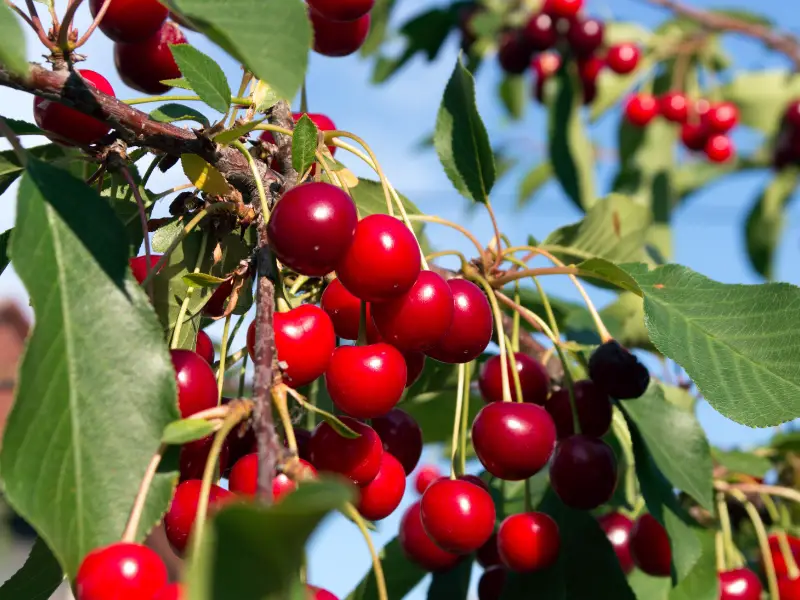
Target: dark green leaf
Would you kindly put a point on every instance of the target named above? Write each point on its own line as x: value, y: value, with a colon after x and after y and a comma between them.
x: 121, y: 199
x: 39, y: 577
x: 178, y: 83
x: 23, y: 127
x: 603, y: 270
x: 11, y: 169
x: 786, y: 441
x: 204, y: 75
x: 166, y: 234
x: 184, y: 431
x: 515, y: 95
x: 702, y: 582
x: 304, y: 144
x: 452, y: 584
x: 202, y: 280
x: 5, y: 239
x: 169, y: 113
x: 12, y: 50
x: 401, y: 575
x: 533, y: 182
x: 745, y: 463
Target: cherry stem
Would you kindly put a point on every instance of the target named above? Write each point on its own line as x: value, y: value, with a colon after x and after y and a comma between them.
x: 279, y: 400
x: 515, y: 320
x: 234, y: 110
x: 126, y: 173
x: 719, y: 543
x: 332, y: 175
x: 66, y: 25
x: 573, y: 405
x: 531, y: 317
x: 350, y: 511
x: 772, y: 490
x: 302, y: 401
x: 729, y: 559
x: 528, y: 501
x: 243, y: 372
x: 231, y: 359
x: 763, y: 542
x: 501, y: 337
x: 440, y: 221
x: 362, y: 324
x: 262, y: 195
x: 184, y: 98
x: 222, y: 356
x: 620, y: 428
x: 36, y: 23
x: 512, y: 363
x: 298, y: 283
x: 465, y: 416
x: 172, y: 190
x: 788, y: 557
x: 434, y: 255
x: 455, y: 469
x: 99, y: 17
x: 176, y: 334
x: 132, y: 527
x: 548, y: 309
x: 331, y: 135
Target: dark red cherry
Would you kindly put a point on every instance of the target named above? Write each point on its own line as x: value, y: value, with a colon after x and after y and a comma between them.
x: 674, y: 107
x: 244, y: 478
x: 781, y: 568
x: 426, y: 475
x: 584, y: 472
x: 650, y: 549
x: 492, y: 583
x: 419, y: 318
x: 488, y: 555
x: 514, y: 52
x: 130, y: 20
x: 513, y: 440
x: 67, y: 122
x: 123, y: 571
x: 533, y: 379
x: 381, y: 496
x: 180, y: 517
x: 641, y: 109
x: 303, y: 439
x: 471, y: 329
x: 617, y: 528
x: 317, y: 593
x: 194, y: 455
x: 616, y: 371
x: 338, y: 38
x: 342, y: 10
x: 589, y: 69
x: 241, y: 441
x: 594, y: 410
x: 173, y: 591
x: 197, y: 385
x: 417, y: 545
x: 415, y: 364
x: 540, y: 32
x: 566, y: 9
x: 474, y: 480
x: 144, y: 65
x: 215, y: 307
x: 205, y: 347
x: 694, y: 135
x: 140, y: 268
x: 401, y: 437
x: 722, y: 117
x: 788, y: 589
x: 719, y: 148
x: 458, y: 516
x: 344, y: 309
x: 383, y: 261
x: 740, y: 584
x: 528, y: 542
x: 357, y: 458
x: 623, y: 58
x: 792, y: 114
x: 312, y: 227
x: 585, y: 36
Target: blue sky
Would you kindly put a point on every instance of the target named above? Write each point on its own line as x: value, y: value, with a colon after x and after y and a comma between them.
x: 394, y: 117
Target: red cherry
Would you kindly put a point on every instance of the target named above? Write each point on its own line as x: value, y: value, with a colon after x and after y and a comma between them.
x: 594, y: 410
x: 425, y: 477
x: 205, y: 347
x: 585, y: 36
x: 474, y: 480
x: 130, y: 20
x: 381, y: 496
x: 513, y: 440
x: 540, y: 32
x: 417, y: 545
x: 589, y: 69
x: 488, y: 555
x: 415, y: 364
x: 319, y: 594
x: 140, y: 268
x: 649, y: 546
x: 641, y: 109
x: 215, y: 307
x: 366, y: 381
x: 584, y: 472
x: 514, y: 52
x: 739, y: 584
x: 788, y: 589
x: 197, y: 385
x: 179, y: 520
x: 722, y: 117
x: 792, y: 114
x: 335, y: 38
x: 533, y: 379
x: 694, y: 135
x: 566, y: 9
x: 305, y: 341
x: 194, y: 455
x: 323, y: 123
x: 781, y: 568
x: 674, y: 107
x: 528, y: 542
x: 401, y: 437
x: 244, y: 478
x: 623, y: 58
x: 617, y: 528
x: 544, y: 66
x: 344, y: 309
x: 458, y: 516
x: 471, y: 329
x: 173, y: 591
x: 144, y: 65
x: 311, y: 228
x: 357, y: 458
x: 122, y: 571
x: 419, y: 318
x: 342, y: 10
x: 719, y: 148
x: 492, y: 583
x: 67, y: 122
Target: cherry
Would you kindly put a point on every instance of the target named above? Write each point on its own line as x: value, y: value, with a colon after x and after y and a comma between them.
x: 419, y: 318
x: 305, y: 341
x: 594, y: 410
x: 383, y: 261
x: 335, y: 38
x: 357, y: 458
x: 513, y: 440
x: 401, y: 437
x: 197, y: 385
x: 722, y: 117
x: 540, y: 32
x: 492, y: 582
x: 623, y: 58
x: 173, y: 591
x: 144, y: 65
x: 488, y: 555
x: 67, y: 122
x: 792, y: 114
x: 342, y: 10
x: 474, y: 480
x: 344, y: 309
x: 589, y: 69
x: 584, y: 472
x: 194, y: 455
x: 566, y: 9
x: 244, y: 478
x: 533, y: 379
x: 130, y: 20
x: 425, y: 477
x: 694, y: 135
x: 674, y: 107
x: 458, y: 515
x: 418, y: 546
x: 215, y: 306
x: 719, y: 148
x: 617, y: 372
x: 649, y: 546
x: 640, y: 109
x: 179, y: 520
x: 781, y: 568
x: 788, y: 589
x: 471, y: 329
x: 123, y: 571
x: 528, y: 542
x: 415, y: 364
x: 205, y: 347
x: 311, y: 228
x: 585, y: 36
x: 381, y: 496
x: 140, y: 268
x: 319, y: 593
x: 617, y: 528
x: 366, y: 381
x: 323, y: 123
x: 739, y: 584
x: 514, y: 52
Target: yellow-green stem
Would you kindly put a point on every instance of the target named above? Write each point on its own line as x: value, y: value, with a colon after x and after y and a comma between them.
x: 384, y: 183
x: 262, y: 196
x: 788, y: 556
x: 512, y: 362
x: 727, y: 535
x: 501, y: 338
x: 528, y: 502
x: 763, y: 542
x: 189, y: 292
x: 231, y: 359
x: 350, y: 511
x: 457, y: 227
x: 222, y: 356
x: 515, y: 320
x: 620, y: 428
x: 280, y: 402
x: 454, y: 468
x: 243, y: 373
x: 465, y: 416
x: 129, y: 535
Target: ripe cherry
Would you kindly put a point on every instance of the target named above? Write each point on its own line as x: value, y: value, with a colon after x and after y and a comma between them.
x: 425, y: 477
x: 492, y: 583
x: 617, y: 528
x: 144, y: 65
x: 513, y: 440
x: 641, y: 109
x: 130, y: 20
x: 173, y: 591
x: 533, y: 379
x: 488, y: 555
x: 722, y: 117
x: 623, y: 58
x: 344, y: 309
x: 305, y: 341
x: 381, y: 496
x: 474, y: 480
x: 788, y: 589
x: 649, y: 545
x: 528, y: 542
x: 323, y: 123
x: 312, y: 227
x: 140, y: 268
x: 317, y: 593
x: 401, y: 437
x: 471, y: 329
x: 415, y: 364
x: 792, y: 114
x: 205, y: 347
x: 584, y: 472
x: 617, y: 372
x: 179, y: 520
x: 419, y: 318
x: 122, y: 570
x: 566, y: 9
x: 194, y: 455
x: 719, y: 148
x: 694, y: 135
x: 540, y: 32
x: 418, y: 546
x: 739, y: 584
x: 67, y: 122
x: 514, y: 52
x: 244, y: 477
x: 338, y: 38
x: 357, y: 458
x: 781, y: 568
x: 589, y: 70
x: 342, y: 10
x: 197, y: 386
x: 215, y: 307
x: 594, y: 410
x: 674, y: 107
x: 458, y: 515
x: 585, y: 36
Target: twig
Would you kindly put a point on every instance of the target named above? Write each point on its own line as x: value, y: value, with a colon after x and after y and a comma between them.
x: 21, y: 13
x: 99, y: 17
x: 36, y: 22
x: 66, y: 24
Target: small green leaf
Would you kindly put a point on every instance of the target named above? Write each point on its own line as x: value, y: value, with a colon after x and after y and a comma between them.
x: 234, y: 133
x: 514, y: 94
x: 304, y: 144
x: 166, y: 234
x: 702, y: 582
x: 11, y: 169
x: 745, y: 463
x: 203, y: 175
x: 647, y: 587
x: 184, y: 431
x: 169, y: 113
x: 202, y: 280
x: 264, y: 97
x: 181, y: 83
x: 39, y: 577
x: 533, y: 182
x: 204, y: 75
x: 12, y: 50
x: 607, y: 271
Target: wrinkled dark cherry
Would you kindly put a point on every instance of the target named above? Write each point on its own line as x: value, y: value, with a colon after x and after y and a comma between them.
x: 342, y: 10
x: 357, y: 458
x: 513, y: 440
x: 674, y: 107
x: 584, y: 472
x: 180, y: 517
x: 205, y: 347
x: 215, y: 307
x: 130, y: 20
x: 173, y: 591
x: 415, y: 363
x: 244, y: 478
x: 514, y: 52
x: 740, y: 584
x: 617, y: 372
x: 471, y: 329
x: 781, y: 568
x: 144, y: 65
x: 649, y: 545
x: 488, y: 554
x: 122, y: 570
x: 540, y: 32
x: 719, y: 148
x: 197, y: 385
x: 788, y: 589
x: 623, y: 58
x: 140, y: 268
x: 694, y: 135
x: 338, y: 38
x: 401, y: 437
x: 344, y: 309
x: 381, y: 496
x: 492, y: 583
x: 722, y: 117
x: 458, y: 516
x: 617, y: 528
x: 585, y: 36
x: 641, y: 109
x: 417, y: 545
x: 594, y: 410
x: 567, y: 9
x: 194, y: 455
x: 533, y: 379
x: 425, y: 477
x: 528, y: 542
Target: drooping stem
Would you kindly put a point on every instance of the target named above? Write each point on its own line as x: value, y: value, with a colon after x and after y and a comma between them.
x: 99, y: 17
x: 620, y: 428
x: 279, y: 400
x: 351, y: 512
x: 530, y: 316
x: 573, y: 405
x: 457, y: 227
x: 232, y: 359
x: 362, y: 324
x: 727, y: 535
x: 719, y: 542
x: 528, y: 500
x: 129, y: 535
x: 497, y: 236
x: 465, y: 417
x: 126, y: 173
x: 515, y: 320
x: 512, y: 361
x: 501, y: 338
x: 222, y: 356
x: 759, y: 488
x: 788, y: 556
x: 455, y: 470
x: 262, y: 196
x: 176, y: 335
x: 384, y: 182
x: 38, y: 27
x: 763, y: 542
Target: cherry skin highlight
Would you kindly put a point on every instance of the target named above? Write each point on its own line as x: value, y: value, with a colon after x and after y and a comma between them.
x: 173, y: 591
x: 617, y: 528
x: 144, y: 65
x: 492, y: 582
x: 415, y: 364
x: 649, y: 546
x: 594, y: 410
x: 425, y: 477
x: 417, y: 545
x: 179, y: 520
x: 243, y: 479
x: 528, y: 542
x: 584, y: 472
x: 358, y: 458
x: 623, y: 58
x: 121, y: 570
x: 342, y: 10
x: 458, y: 516
x: 381, y: 496
x: 205, y: 347
x: 344, y: 309
x: 471, y: 329
x: 641, y: 109
x: 130, y: 20
x: 722, y: 117
x: 337, y: 38
x: 401, y: 437
x: 674, y: 107
x: 739, y: 584
x: 197, y: 385
x: 139, y: 266
x: 533, y: 379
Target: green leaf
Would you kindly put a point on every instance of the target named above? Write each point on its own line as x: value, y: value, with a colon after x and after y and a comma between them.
x: 23, y: 127
x: 181, y: 83
x: 169, y: 113
x: 237, y: 131
x: 184, y: 431
x: 612, y: 88
x: 379, y: 24
x: 11, y: 169
x: 12, y: 50
x: 514, y: 94
x: 702, y: 582
x: 5, y: 239
x: 401, y: 575
x: 533, y: 182
x: 166, y: 234
x: 84, y: 419
x: 204, y: 75
x: 761, y: 97
x: 461, y: 140
x: 39, y: 577
x: 124, y: 205
x: 304, y: 144
x: 272, y: 38
x: 647, y: 587
x: 745, y: 463
x: 609, y: 272
x: 202, y: 280
x: 452, y: 584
